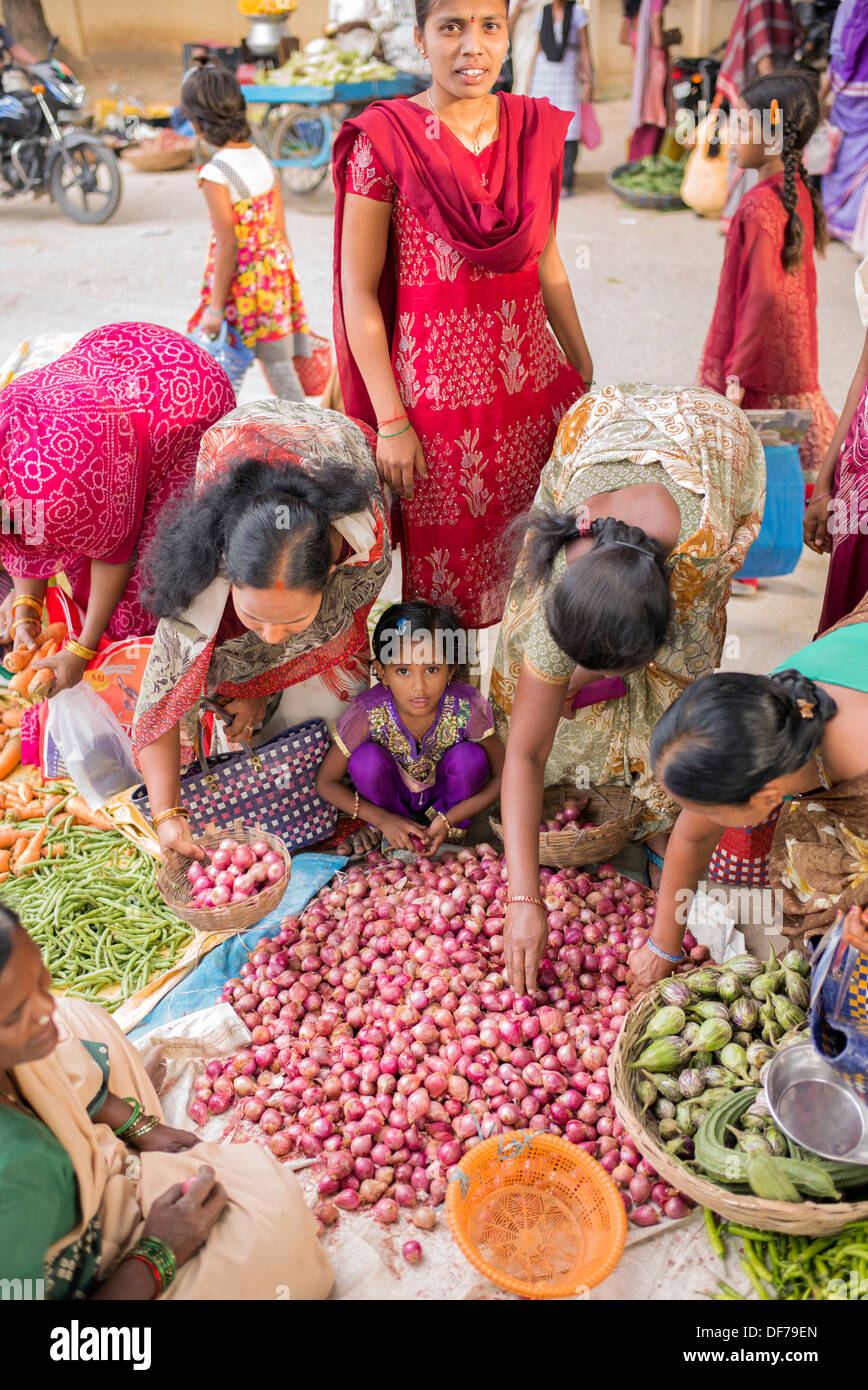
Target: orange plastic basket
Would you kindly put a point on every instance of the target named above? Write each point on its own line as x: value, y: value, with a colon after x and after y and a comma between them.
x: 536, y: 1215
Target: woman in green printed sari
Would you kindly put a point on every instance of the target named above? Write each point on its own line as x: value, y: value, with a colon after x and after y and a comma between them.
x: 644, y: 513
x: 737, y: 747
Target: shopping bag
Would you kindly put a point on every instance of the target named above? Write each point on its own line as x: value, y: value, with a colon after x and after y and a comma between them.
x: 94, y: 747
x: 821, y: 151
x: 705, y: 177
x: 314, y: 370
x: 591, y: 135
x: 839, y: 1007
x: 227, y: 349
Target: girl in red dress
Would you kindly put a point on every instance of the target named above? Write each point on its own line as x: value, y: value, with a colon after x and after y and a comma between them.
x: 761, y: 348
x: 447, y: 278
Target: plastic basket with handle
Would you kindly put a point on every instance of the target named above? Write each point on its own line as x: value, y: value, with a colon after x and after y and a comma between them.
x: 227, y: 349
x: 314, y: 370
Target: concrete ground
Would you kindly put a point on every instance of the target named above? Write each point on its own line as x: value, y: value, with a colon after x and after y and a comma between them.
x: 645, y: 293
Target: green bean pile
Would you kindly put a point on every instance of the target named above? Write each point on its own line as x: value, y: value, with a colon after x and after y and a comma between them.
x: 97, y: 917
x: 795, y: 1268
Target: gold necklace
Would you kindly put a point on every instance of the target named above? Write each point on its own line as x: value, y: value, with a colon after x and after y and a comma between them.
x: 475, y: 145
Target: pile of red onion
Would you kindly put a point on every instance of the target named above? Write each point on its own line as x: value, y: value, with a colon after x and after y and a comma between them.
x: 235, y: 873
x: 569, y: 814
x: 385, y: 1037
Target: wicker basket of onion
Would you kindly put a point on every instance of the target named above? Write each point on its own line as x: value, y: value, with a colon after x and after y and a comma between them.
x: 687, y: 1077
x: 580, y: 828
x: 242, y: 878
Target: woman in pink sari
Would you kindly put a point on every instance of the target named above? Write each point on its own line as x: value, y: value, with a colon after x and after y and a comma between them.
x: 447, y: 279
x: 92, y: 448
x: 651, y: 99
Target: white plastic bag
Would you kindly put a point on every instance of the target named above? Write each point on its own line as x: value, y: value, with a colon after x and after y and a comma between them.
x: 93, y: 744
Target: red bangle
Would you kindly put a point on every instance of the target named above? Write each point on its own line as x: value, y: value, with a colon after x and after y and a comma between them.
x: 153, y: 1268
x: 402, y: 415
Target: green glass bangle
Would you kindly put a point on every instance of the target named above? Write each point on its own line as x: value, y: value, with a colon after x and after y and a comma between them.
x: 130, y: 1121
x: 160, y: 1254
x: 143, y: 1125
x: 393, y: 434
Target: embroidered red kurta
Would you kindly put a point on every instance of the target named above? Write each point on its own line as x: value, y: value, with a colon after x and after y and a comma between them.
x: 485, y: 385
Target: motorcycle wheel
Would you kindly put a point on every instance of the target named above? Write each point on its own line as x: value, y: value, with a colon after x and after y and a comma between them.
x: 90, y: 191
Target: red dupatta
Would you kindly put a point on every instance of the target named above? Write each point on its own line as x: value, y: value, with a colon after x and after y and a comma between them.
x: 502, y: 227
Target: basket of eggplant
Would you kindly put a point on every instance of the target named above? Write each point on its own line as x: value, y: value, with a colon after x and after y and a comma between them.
x: 687, y: 1076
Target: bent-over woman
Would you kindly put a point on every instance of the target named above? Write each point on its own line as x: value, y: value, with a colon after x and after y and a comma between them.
x: 645, y: 511
x: 263, y: 586
x: 93, y: 448
x: 736, y: 749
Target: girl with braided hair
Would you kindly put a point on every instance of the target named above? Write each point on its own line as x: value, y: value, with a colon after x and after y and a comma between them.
x: 737, y: 749
x: 761, y: 348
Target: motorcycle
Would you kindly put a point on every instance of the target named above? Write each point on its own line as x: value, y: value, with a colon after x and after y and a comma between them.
x: 39, y: 154
x: 816, y: 20
x: 694, y: 81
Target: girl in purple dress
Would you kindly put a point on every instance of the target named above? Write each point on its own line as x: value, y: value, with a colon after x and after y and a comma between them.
x: 418, y: 744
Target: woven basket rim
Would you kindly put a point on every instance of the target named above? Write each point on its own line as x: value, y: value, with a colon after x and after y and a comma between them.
x: 578, y: 846
x: 795, y: 1218
x: 479, y: 1156
x: 231, y: 917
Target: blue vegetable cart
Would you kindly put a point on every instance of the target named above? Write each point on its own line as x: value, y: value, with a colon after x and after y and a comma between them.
x: 300, y: 123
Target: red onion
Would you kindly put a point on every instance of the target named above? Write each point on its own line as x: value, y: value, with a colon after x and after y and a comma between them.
x: 412, y: 1251
x: 645, y: 1216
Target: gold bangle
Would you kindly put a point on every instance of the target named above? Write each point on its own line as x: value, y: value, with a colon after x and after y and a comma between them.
x: 143, y: 1125
x: 525, y: 898
x: 356, y: 807
x: 444, y: 817
x: 170, y: 815
x: 23, y: 622
x: 77, y: 649
x: 28, y: 600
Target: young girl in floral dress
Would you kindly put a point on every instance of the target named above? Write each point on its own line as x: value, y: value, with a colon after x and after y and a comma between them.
x: 249, y: 278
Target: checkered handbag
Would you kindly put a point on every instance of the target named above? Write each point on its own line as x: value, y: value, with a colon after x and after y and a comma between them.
x: 272, y: 786
x: 839, y: 1007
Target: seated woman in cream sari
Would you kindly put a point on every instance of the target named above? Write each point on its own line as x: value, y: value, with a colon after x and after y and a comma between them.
x: 97, y: 1216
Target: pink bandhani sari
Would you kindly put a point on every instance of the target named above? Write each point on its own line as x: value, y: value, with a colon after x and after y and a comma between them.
x: 94, y: 446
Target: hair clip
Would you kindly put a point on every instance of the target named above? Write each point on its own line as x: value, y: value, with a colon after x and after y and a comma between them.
x: 583, y: 524
x: 806, y: 709
x: 401, y: 626
x: 775, y: 111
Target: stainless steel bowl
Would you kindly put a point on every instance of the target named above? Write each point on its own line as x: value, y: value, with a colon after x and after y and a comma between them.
x: 813, y: 1104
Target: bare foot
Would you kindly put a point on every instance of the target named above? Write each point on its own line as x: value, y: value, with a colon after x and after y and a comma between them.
x: 364, y: 840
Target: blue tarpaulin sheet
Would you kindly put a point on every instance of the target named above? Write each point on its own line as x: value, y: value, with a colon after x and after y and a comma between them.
x: 202, y: 987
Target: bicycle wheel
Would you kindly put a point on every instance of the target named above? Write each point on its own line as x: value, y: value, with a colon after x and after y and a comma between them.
x: 304, y: 134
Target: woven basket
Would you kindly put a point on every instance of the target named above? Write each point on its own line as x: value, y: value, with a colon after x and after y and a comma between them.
x: 792, y: 1218
x: 176, y: 891
x: 661, y: 202
x: 615, y: 811
x: 160, y: 161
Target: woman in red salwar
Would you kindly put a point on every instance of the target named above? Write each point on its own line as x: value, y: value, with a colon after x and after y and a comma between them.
x: 447, y: 276
x: 761, y: 348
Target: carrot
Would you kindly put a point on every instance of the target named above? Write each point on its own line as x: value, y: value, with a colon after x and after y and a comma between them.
x: 25, y: 791
x: 11, y: 835
x: 11, y: 719
x: 10, y: 757
x: 49, y: 804
x: 4, y: 861
x: 18, y: 848
x: 57, y: 632
x: 17, y: 660
x: 14, y: 814
x: 4, y: 875
x: 78, y: 807
x: 57, y: 851
x: 19, y: 683
x: 29, y: 857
